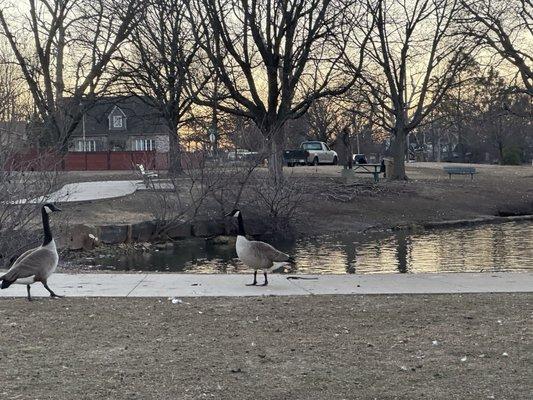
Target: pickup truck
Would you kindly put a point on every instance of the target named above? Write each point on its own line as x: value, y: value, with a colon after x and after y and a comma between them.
x: 311, y: 153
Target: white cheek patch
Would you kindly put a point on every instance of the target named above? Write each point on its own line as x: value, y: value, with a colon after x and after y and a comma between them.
x: 237, y: 214
x: 47, y: 209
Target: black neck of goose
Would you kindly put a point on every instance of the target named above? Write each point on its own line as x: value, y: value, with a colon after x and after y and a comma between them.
x: 241, y: 226
x: 46, y: 227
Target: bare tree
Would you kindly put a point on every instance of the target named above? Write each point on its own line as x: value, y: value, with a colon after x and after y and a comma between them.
x: 414, y: 57
x: 273, y: 59
x: 162, y: 65
x: 324, y: 119
x: 10, y: 90
x: 17, y: 216
x: 507, y: 28
x: 480, y: 120
x: 63, y: 48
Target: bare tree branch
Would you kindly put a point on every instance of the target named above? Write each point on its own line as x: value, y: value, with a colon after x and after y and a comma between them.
x: 264, y: 53
x: 90, y: 31
x: 507, y: 28
x: 415, y: 55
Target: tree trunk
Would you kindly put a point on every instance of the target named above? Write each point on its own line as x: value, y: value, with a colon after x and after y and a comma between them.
x: 348, y: 153
x: 500, y: 151
x: 174, y: 154
x: 275, y: 162
x: 59, y: 83
x: 398, y: 152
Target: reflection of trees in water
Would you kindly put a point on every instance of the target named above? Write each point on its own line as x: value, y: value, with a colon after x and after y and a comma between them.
x: 351, y: 258
x: 500, y: 248
x: 403, y: 252
x: 497, y: 247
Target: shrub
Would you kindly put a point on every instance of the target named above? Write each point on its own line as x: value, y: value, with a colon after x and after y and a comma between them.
x: 512, y: 156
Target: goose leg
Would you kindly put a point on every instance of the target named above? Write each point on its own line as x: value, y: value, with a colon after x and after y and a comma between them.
x: 255, y: 280
x: 52, y: 294
x: 29, y: 295
x: 266, y: 279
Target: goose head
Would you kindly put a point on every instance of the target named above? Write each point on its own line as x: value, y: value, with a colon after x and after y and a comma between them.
x: 49, y: 208
x: 235, y: 213
x: 238, y: 215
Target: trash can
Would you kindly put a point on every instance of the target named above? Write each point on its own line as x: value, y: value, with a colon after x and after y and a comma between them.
x: 389, y: 167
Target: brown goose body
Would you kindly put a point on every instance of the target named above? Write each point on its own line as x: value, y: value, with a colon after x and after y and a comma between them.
x: 256, y: 254
x: 35, y: 265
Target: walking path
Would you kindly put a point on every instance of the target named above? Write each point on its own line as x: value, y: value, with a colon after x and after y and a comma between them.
x: 196, y: 285
x: 89, y: 191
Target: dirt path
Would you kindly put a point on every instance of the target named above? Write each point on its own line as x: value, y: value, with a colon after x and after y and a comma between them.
x: 323, y: 347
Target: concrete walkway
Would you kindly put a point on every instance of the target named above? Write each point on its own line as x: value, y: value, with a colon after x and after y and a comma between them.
x: 89, y: 191
x: 196, y: 285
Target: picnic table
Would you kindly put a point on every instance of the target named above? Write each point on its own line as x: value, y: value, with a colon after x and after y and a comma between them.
x: 374, y: 169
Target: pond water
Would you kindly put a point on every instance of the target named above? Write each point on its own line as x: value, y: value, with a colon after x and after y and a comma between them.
x: 497, y: 247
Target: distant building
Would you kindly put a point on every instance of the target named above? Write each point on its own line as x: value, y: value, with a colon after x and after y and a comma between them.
x: 125, y: 123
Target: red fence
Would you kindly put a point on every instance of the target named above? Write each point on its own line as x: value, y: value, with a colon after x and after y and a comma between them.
x: 114, y: 160
x: 90, y: 161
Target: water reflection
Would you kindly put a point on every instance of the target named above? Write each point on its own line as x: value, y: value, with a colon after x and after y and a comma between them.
x: 402, y: 253
x: 501, y: 247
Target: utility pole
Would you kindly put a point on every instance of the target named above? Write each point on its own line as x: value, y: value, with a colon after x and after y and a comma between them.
x: 354, y: 133
x: 83, y: 127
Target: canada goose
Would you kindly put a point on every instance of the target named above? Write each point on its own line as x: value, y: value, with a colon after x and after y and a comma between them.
x: 37, y: 264
x: 256, y: 254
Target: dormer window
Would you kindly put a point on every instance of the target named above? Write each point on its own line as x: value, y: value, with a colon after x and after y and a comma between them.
x: 117, y: 119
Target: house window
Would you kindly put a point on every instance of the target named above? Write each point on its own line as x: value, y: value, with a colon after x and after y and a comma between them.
x: 144, y: 144
x: 87, y: 145
x: 117, y: 121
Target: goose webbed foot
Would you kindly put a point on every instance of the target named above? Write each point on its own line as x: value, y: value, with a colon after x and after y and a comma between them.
x: 255, y: 280
x: 52, y: 294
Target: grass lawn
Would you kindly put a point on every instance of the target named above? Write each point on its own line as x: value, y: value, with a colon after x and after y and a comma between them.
x: 333, y: 206
x: 310, y: 347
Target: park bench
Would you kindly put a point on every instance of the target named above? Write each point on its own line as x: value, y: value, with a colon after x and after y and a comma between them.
x: 460, y: 171
x: 146, y: 175
x: 374, y: 169
x: 151, y: 181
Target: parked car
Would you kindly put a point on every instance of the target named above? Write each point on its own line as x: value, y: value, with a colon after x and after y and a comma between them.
x: 311, y: 153
x: 295, y: 157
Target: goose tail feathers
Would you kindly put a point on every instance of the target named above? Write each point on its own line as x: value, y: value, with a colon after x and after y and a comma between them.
x: 291, y: 260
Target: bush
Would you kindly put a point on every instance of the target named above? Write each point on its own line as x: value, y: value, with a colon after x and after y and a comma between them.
x: 20, y: 222
x: 277, y: 204
x: 512, y: 156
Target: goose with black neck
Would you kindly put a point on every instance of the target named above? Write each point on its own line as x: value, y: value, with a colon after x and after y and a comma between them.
x: 37, y: 264
x: 256, y: 254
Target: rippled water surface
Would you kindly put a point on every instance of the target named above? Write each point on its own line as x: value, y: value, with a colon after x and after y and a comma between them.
x: 498, y: 247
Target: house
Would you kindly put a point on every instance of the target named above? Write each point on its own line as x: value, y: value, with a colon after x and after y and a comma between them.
x: 125, y: 123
